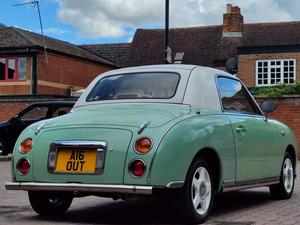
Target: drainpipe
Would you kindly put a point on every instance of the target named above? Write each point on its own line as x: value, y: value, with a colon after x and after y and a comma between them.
x: 166, y: 30
x: 34, y: 74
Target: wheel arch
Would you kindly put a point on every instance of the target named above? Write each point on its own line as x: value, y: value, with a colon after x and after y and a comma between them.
x: 290, y: 149
x: 211, y: 156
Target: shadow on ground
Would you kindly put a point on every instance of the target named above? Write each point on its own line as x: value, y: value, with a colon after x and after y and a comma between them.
x: 155, y: 212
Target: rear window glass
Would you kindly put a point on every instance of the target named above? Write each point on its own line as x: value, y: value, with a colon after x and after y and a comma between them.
x: 135, y: 86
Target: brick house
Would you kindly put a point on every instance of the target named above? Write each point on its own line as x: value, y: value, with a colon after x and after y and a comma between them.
x: 25, y: 68
x: 266, y: 53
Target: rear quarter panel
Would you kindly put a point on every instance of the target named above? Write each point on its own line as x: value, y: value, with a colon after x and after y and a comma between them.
x: 184, y: 140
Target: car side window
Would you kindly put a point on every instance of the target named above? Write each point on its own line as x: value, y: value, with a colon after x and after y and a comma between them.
x: 234, y: 96
x: 61, y: 111
x: 36, y: 113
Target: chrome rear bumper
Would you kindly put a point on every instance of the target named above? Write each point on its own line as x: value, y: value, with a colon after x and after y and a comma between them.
x: 122, y: 189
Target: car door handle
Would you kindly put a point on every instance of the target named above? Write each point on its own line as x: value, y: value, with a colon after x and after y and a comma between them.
x: 240, y: 129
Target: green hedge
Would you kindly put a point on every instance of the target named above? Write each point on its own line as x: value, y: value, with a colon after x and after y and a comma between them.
x: 277, y: 90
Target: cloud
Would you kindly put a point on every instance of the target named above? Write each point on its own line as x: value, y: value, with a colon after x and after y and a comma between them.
x: 113, y: 18
x: 57, y: 31
x: 23, y: 28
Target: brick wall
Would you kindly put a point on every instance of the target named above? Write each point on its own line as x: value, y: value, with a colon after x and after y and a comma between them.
x: 21, y: 88
x: 62, y: 72
x: 247, y: 70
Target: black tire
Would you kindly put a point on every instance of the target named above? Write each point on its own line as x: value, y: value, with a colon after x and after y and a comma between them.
x: 50, y: 203
x: 188, y: 194
x: 3, y: 147
x: 282, y: 190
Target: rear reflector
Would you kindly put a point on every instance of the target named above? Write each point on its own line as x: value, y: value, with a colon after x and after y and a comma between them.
x: 23, y: 166
x: 137, y: 168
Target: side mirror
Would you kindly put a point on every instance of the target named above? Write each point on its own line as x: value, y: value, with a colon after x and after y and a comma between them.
x: 268, y: 106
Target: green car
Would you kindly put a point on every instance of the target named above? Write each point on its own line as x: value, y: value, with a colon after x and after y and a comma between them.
x: 163, y: 130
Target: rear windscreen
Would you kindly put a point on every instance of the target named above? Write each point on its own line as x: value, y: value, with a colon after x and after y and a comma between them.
x: 135, y: 86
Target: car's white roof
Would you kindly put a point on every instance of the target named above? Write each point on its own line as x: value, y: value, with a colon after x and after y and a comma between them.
x: 187, y: 93
x: 173, y: 66
x: 164, y: 67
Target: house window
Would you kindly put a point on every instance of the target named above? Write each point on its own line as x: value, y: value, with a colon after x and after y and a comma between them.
x: 22, y: 68
x: 272, y: 72
x: 12, y: 69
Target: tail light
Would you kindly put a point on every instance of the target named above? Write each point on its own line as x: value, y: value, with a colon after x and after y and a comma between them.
x: 143, y: 145
x: 23, y: 166
x: 26, y: 145
x: 137, y: 168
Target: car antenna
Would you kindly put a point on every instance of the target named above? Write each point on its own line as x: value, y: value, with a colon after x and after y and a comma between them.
x: 36, y: 3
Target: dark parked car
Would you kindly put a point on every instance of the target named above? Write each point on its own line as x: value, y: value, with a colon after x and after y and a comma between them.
x: 11, y: 129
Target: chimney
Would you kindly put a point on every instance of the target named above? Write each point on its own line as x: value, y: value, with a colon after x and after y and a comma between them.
x: 232, y: 21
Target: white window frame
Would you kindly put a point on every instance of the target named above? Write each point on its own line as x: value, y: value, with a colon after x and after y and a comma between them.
x: 269, y: 66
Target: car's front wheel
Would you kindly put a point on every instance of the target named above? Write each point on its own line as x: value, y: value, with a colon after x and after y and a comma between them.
x: 198, y: 192
x: 50, y: 203
x: 285, y: 188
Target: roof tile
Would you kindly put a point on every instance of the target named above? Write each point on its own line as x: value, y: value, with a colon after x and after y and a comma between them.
x: 12, y: 37
x: 206, y: 45
x: 114, y: 52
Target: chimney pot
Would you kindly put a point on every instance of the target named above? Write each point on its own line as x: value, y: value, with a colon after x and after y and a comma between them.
x: 232, y: 21
x: 237, y: 9
x: 229, y: 8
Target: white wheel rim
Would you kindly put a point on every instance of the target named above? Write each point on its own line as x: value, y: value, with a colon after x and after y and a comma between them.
x: 288, y: 175
x: 201, y: 190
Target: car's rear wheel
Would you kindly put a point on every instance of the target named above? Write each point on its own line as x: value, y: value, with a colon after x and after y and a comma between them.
x: 285, y: 188
x: 50, y: 203
x: 198, y: 192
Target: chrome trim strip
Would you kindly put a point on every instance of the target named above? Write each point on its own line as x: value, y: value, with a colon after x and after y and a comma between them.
x: 80, y: 143
x: 124, y: 189
x: 143, y: 127
x: 250, y: 184
x: 175, y: 184
x: 40, y: 127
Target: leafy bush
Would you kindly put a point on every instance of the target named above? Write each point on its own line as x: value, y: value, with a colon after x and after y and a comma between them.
x: 277, y: 90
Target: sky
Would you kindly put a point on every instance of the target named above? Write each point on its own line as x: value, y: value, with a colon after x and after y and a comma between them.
x: 112, y: 21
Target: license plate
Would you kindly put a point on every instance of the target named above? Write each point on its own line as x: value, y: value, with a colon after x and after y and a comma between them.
x: 76, y: 161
